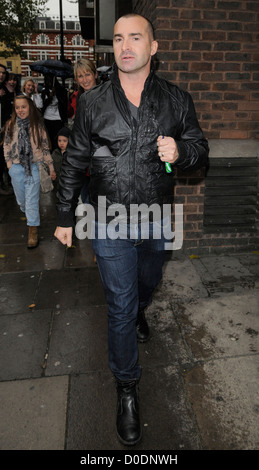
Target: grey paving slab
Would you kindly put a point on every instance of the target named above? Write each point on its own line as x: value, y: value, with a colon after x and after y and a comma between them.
x: 165, y: 346
x: 223, y: 326
x: 70, y: 288
x: 46, y: 233
x: 221, y: 334
x: 80, y: 254
x: 90, y: 414
x: 9, y: 210
x: 181, y: 280
x: 17, y: 292
x: 13, y: 233
x: 225, y: 399
x: 227, y: 272
x: 251, y: 261
x: 48, y: 207
x: 78, y: 341
x: 48, y: 255
x: 165, y: 416
x: 23, y: 344
x: 33, y: 414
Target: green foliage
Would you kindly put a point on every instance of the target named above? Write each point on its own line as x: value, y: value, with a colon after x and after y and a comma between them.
x: 17, y: 19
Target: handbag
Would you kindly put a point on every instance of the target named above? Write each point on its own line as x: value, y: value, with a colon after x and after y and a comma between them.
x: 46, y: 184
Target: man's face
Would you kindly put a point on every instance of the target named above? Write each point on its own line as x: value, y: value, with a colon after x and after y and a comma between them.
x: 133, y: 45
x: 2, y: 74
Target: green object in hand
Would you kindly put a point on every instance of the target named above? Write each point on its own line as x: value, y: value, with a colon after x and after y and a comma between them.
x: 168, y: 167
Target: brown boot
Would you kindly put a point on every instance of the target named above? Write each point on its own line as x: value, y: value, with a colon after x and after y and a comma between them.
x: 33, y: 238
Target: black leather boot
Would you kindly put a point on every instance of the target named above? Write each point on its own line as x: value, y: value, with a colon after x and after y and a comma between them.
x: 142, y: 327
x: 128, y: 423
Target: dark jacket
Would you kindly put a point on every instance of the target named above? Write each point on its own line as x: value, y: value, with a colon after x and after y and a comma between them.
x: 6, y: 102
x: 61, y: 95
x: 121, y: 154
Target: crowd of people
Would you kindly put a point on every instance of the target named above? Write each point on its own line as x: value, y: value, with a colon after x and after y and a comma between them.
x: 35, y: 129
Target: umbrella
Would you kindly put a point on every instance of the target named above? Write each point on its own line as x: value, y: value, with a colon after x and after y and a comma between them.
x: 56, y: 67
x: 104, y: 68
x: 104, y: 71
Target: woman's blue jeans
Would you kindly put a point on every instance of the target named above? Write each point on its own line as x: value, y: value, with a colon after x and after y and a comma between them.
x: 130, y: 270
x: 27, y: 191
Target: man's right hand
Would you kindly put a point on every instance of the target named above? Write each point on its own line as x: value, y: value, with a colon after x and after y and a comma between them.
x: 64, y: 235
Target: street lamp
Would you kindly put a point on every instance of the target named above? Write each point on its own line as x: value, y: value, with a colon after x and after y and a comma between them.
x: 62, y: 57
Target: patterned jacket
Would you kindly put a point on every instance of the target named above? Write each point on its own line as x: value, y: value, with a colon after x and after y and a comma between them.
x: 11, y: 153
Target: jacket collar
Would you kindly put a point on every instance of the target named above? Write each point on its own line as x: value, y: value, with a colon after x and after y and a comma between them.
x: 116, y: 81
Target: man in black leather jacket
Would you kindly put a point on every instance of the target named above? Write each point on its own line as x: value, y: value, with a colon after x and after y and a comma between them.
x: 125, y: 131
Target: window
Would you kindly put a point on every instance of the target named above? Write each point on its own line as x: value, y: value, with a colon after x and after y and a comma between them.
x: 42, y: 39
x: 58, y: 42
x: 77, y: 55
x: 42, y: 25
x: 57, y: 25
x: 28, y: 71
x: 78, y: 40
x: 27, y: 39
x: 42, y: 55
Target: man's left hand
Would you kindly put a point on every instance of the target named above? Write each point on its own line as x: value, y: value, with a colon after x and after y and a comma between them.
x: 167, y: 149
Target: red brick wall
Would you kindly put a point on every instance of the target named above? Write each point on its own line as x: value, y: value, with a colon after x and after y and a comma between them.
x: 211, y: 49
x: 189, y: 191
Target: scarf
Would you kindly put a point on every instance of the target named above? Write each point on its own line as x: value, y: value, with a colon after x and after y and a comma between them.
x: 24, y: 144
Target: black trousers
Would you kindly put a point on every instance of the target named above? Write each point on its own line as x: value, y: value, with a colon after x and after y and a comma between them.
x: 53, y: 127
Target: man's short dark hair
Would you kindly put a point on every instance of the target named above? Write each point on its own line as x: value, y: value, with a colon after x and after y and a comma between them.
x: 150, y: 25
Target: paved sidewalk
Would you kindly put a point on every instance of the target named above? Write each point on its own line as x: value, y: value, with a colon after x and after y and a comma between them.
x: 199, y: 386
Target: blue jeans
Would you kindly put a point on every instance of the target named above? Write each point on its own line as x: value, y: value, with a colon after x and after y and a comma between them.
x: 130, y: 270
x: 27, y: 191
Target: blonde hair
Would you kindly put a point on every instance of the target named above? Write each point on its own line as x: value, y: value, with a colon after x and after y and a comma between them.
x: 85, y: 64
x: 25, y: 83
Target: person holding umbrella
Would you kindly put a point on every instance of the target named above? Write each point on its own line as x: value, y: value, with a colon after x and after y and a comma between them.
x: 54, y: 109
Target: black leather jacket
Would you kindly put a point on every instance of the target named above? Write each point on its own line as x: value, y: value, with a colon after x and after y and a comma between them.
x: 122, y: 154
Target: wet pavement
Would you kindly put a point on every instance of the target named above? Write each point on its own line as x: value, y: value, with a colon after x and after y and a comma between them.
x: 199, y: 386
